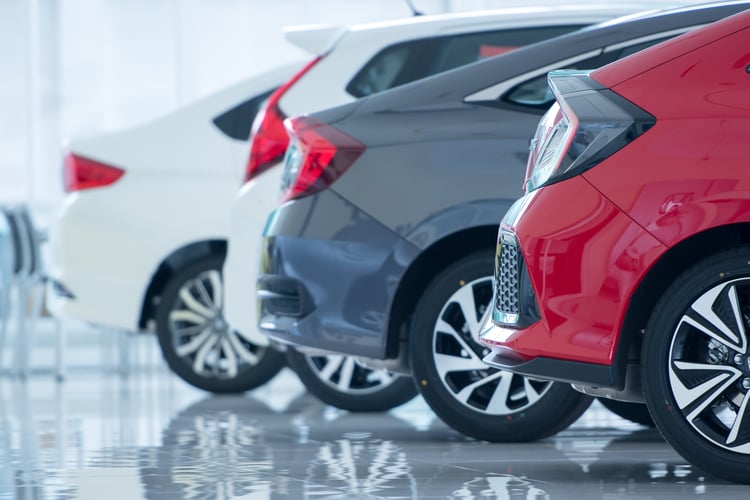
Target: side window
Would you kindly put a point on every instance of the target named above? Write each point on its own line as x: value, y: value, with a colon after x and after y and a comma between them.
x: 632, y: 49
x: 237, y: 121
x: 536, y: 93
x: 392, y: 66
x: 408, y: 61
x: 459, y: 50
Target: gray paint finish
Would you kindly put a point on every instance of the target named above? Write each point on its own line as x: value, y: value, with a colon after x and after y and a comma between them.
x: 348, y: 263
x: 434, y: 165
x: 437, y: 160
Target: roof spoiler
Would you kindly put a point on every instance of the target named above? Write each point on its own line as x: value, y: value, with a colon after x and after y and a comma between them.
x: 314, y: 38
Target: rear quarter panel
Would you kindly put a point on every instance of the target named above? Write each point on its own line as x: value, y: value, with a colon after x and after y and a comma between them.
x: 689, y: 173
x: 419, y: 164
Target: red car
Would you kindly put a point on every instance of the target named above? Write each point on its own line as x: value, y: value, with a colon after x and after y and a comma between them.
x: 625, y: 268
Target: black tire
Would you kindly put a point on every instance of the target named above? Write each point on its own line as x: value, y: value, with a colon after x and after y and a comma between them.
x: 362, y: 394
x: 531, y: 409
x: 220, y: 379
x: 680, y: 360
x: 635, y: 412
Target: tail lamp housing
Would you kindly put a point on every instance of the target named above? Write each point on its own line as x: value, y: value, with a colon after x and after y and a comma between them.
x: 587, y: 124
x: 81, y: 173
x: 317, y: 156
x: 268, y: 138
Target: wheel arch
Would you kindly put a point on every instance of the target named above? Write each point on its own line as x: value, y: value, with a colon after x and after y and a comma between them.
x: 174, y: 261
x: 441, y: 253
x: 675, y: 261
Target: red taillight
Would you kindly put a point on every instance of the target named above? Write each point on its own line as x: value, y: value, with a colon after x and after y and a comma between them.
x: 82, y: 173
x: 319, y: 155
x: 268, y: 139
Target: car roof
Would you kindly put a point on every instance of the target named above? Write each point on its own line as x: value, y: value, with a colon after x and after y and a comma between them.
x: 638, y: 63
x: 319, y: 39
x: 484, y: 80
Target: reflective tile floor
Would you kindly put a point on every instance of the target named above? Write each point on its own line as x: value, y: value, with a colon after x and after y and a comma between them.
x: 104, y: 435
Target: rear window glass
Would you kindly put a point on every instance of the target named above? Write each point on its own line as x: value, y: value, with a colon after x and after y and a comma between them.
x: 408, y: 61
x: 381, y: 73
x: 238, y: 121
x: 465, y: 49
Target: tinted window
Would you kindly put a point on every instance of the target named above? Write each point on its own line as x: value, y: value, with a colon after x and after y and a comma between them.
x: 237, y: 122
x: 408, y: 61
x: 392, y: 66
x: 381, y: 72
x: 459, y: 50
x: 536, y: 93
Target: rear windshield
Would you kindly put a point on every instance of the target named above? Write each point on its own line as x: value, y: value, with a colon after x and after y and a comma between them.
x: 408, y: 61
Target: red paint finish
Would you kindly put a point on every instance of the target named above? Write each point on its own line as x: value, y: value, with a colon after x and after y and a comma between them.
x: 588, y: 241
x: 652, y: 57
x: 690, y: 172
x: 584, y: 257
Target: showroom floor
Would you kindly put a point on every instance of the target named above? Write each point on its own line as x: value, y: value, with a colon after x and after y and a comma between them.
x: 127, y: 431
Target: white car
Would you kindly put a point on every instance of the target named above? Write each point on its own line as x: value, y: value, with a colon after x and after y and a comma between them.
x: 142, y: 233
x: 358, y: 62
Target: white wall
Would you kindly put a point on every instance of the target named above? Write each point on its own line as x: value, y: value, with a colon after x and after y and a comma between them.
x: 78, y: 67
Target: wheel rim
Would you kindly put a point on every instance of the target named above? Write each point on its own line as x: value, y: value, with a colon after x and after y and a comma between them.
x: 202, y: 338
x: 458, y: 357
x: 709, y: 365
x: 346, y: 376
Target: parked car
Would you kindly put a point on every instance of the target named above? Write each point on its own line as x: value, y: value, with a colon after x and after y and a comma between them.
x: 624, y: 267
x: 141, y: 239
x: 384, y: 244
x: 142, y: 232
x: 365, y: 60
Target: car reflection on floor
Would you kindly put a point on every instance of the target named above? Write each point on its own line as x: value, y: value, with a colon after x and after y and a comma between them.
x: 146, y: 435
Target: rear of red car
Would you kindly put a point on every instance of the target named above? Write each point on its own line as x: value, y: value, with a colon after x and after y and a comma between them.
x: 625, y: 269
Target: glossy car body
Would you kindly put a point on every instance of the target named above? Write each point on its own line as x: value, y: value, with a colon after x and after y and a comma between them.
x: 631, y: 222
x: 624, y: 269
x: 111, y: 247
x: 342, y: 268
x: 364, y: 60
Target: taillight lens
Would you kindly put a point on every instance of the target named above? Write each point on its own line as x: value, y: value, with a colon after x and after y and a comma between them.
x: 587, y: 124
x: 318, y: 155
x: 82, y: 173
x: 268, y: 138
x: 552, y: 137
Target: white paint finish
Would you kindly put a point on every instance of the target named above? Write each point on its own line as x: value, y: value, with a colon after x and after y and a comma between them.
x: 330, y: 76
x: 250, y: 210
x: 181, y: 174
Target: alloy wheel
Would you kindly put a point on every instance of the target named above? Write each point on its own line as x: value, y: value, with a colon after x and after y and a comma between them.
x: 200, y: 335
x: 346, y: 376
x: 458, y: 357
x: 709, y: 365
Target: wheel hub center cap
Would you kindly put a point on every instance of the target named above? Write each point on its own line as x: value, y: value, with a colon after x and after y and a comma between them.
x: 220, y: 325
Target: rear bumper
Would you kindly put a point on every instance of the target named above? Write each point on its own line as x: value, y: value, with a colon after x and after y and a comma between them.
x: 89, y: 258
x: 328, y: 275
x: 250, y: 210
x: 106, y: 244
x: 583, y: 264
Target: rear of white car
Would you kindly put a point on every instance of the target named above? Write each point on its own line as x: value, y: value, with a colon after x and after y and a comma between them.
x: 358, y: 62
x: 146, y: 203
x: 178, y: 176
